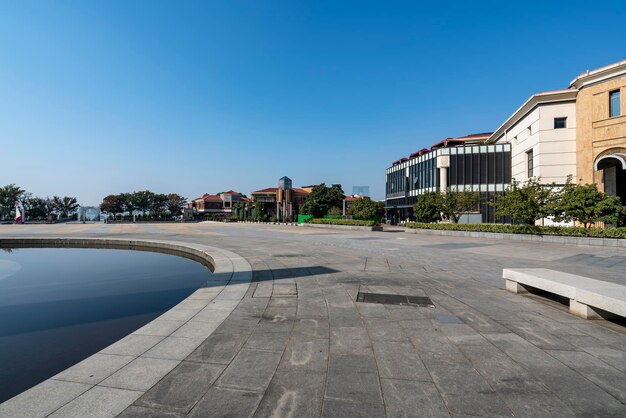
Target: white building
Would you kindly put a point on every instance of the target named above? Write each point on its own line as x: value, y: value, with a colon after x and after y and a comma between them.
x: 542, y: 134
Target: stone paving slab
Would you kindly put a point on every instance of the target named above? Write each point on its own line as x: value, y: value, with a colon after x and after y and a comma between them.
x: 94, y: 369
x: 181, y: 389
x: 98, y: 402
x: 43, y: 399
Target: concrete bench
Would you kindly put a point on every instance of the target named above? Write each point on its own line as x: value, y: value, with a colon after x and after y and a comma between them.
x: 589, y: 298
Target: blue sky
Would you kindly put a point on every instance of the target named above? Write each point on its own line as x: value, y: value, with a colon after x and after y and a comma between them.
x: 193, y: 97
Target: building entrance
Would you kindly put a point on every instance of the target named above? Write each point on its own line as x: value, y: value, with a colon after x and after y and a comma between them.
x: 613, y: 167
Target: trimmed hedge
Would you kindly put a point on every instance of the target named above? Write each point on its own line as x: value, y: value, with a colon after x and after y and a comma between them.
x: 352, y: 222
x: 525, y: 229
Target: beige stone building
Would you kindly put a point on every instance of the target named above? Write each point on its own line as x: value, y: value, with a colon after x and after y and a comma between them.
x: 542, y: 134
x: 601, y: 128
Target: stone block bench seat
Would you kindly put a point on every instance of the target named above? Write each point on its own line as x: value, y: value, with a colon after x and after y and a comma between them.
x: 589, y: 298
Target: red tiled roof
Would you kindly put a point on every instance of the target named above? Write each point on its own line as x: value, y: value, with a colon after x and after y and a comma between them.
x: 418, y: 153
x: 462, y: 139
x: 268, y: 190
x: 209, y: 197
x: 484, y: 134
x: 298, y: 190
x: 212, y: 198
x: 352, y: 198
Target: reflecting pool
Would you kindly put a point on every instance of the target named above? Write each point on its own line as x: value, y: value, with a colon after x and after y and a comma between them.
x: 59, y: 306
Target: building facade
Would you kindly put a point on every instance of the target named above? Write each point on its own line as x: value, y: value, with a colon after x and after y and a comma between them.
x: 282, y: 202
x: 217, y: 206
x: 542, y: 135
x: 454, y: 164
x: 601, y: 128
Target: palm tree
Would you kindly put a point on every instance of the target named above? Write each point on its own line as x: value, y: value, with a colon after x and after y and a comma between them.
x: 9, y: 195
x: 65, y: 205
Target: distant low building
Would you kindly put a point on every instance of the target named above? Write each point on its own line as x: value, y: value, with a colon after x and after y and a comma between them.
x: 219, y: 205
x: 348, y: 201
x: 284, y: 201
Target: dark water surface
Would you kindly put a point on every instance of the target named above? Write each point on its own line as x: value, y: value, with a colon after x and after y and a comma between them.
x: 59, y: 306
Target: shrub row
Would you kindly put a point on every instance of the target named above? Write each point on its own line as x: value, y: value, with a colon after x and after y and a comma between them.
x: 352, y: 222
x: 525, y: 229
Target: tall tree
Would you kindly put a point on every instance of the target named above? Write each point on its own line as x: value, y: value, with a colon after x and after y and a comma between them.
x: 368, y: 209
x: 142, y: 200
x: 9, y: 195
x: 158, y: 205
x: 41, y: 208
x: 454, y: 204
x: 65, y: 205
x: 259, y: 212
x: 428, y: 207
x: 175, y: 203
x: 128, y: 203
x: 112, y: 204
x: 321, y: 199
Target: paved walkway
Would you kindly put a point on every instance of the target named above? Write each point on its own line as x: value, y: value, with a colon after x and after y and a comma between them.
x: 298, y: 344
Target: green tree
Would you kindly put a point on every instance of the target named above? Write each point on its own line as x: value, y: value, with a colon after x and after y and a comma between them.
x: 367, y: 209
x: 525, y: 203
x: 9, y: 195
x: 586, y: 204
x: 428, y: 207
x: 158, y: 205
x: 322, y: 199
x: 40, y: 208
x: 142, y: 200
x: 260, y: 214
x: 454, y: 204
x: 335, y: 211
x: 65, y: 205
x: 128, y: 203
x: 112, y: 204
x: 240, y: 210
x: 175, y: 204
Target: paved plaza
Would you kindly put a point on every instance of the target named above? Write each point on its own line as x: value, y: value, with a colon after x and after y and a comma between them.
x: 299, y: 344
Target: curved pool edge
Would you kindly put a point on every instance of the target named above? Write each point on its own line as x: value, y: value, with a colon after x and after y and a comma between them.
x: 112, y: 379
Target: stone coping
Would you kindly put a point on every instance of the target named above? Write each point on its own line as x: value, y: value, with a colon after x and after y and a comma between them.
x: 346, y: 227
x: 112, y: 379
x: 556, y: 239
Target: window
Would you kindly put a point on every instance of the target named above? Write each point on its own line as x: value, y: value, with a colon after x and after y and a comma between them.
x: 529, y: 162
x: 560, y: 123
x: 529, y: 130
x: 614, y: 104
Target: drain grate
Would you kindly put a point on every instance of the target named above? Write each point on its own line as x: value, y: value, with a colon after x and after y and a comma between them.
x: 387, y: 299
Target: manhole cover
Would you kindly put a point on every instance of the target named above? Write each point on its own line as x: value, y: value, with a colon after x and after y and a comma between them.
x: 388, y: 299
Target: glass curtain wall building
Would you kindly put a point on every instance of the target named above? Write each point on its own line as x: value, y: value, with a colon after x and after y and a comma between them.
x: 485, y: 169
